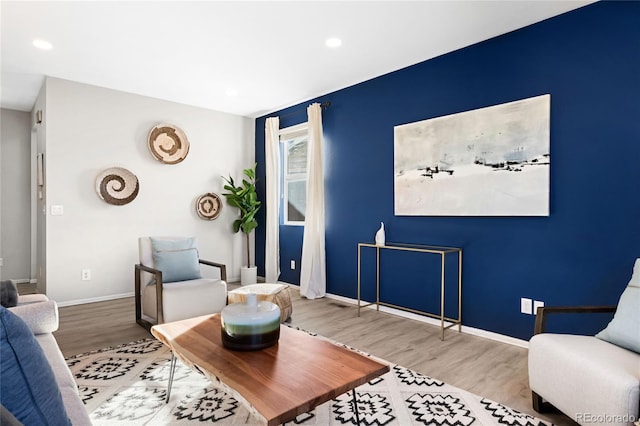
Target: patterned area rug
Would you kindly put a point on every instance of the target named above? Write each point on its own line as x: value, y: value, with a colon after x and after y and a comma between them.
x: 127, y: 385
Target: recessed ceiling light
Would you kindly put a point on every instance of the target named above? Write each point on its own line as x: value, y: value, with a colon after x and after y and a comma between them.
x: 231, y: 92
x: 333, y: 42
x: 42, y: 44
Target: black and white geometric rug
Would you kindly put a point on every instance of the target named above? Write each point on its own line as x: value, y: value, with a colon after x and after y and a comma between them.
x: 127, y: 385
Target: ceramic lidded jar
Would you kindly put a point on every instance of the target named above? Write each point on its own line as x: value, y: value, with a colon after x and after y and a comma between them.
x: 250, y: 326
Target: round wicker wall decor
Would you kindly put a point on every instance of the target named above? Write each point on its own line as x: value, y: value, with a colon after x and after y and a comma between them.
x: 208, y: 206
x: 117, y: 186
x: 168, y: 144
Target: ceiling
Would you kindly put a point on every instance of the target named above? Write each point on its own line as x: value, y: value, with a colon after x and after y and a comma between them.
x: 269, y: 54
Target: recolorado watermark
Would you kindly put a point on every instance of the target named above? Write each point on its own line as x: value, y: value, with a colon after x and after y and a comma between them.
x: 585, y: 418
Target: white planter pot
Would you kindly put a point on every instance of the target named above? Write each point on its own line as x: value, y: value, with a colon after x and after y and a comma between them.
x: 248, y: 275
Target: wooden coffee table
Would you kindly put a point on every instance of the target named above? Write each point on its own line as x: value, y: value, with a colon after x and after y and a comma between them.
x: 278, y: 383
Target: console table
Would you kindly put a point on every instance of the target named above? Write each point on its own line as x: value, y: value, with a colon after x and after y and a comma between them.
x: 437, y: 250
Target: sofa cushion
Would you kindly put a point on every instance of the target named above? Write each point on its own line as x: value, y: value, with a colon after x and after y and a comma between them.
x: 28, y: 388
x: 27, y: 299
x: 40, y: 317
x: 8, y: 419
x: 76, y: 410
x: 624, y: 328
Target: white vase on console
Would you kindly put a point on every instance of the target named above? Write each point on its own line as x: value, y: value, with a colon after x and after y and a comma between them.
x: 380, y: 237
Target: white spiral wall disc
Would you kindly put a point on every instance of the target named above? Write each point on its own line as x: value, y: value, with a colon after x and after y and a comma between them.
x: 117, y: 186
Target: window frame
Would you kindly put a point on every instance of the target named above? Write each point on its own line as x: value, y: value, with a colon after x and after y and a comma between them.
x: 288, y: 134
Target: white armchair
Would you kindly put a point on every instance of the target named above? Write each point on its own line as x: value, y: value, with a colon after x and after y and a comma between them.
x: 594, y: 380
x: 169, y: 285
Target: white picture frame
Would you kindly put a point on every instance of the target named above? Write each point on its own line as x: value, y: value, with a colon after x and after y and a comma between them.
x: 492, y: 161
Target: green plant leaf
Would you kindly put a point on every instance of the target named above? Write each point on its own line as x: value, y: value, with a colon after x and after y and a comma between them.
x: 245, y: 199
x: 250, y: 226
x: 250, y: 173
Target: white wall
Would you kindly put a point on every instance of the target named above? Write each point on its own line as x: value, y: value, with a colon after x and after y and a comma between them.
x: 89, y: 129
x: 15, y: 184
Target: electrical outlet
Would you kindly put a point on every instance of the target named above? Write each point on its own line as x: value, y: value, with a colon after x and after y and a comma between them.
x: 525, y: 306
x: 86, y: 274
x: 537, y: 304
x: 293, y: 264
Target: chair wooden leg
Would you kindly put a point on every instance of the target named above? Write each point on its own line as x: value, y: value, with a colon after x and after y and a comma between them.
x: 542, y: 406
x: 537, y: 403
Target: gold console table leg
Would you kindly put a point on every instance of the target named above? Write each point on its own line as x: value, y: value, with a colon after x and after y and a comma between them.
x: 442, y: 296
x: 442, y: 251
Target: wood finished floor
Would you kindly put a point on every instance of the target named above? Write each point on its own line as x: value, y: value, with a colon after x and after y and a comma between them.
x: 494, y: 370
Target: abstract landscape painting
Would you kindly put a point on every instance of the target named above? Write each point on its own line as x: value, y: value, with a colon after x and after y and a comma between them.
x: 491, y: 161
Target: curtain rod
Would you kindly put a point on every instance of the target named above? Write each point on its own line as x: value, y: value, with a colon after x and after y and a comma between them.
x: 323, y: 105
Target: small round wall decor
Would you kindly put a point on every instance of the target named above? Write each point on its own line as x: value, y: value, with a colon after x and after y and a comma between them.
x: 168, y: 144
x: 208, y: 206
x: 117, y: 186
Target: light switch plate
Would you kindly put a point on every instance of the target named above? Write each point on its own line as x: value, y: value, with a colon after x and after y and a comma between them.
x: 525, y: 306
x: 57, y: 210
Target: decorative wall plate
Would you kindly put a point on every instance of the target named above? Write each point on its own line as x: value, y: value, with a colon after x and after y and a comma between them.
x: 168, y: 143
x: 117, y: 186
x: 208, y: 206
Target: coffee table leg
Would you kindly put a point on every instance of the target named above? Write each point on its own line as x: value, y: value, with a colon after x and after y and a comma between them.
x: 355, y: 406
x: 171, y: 371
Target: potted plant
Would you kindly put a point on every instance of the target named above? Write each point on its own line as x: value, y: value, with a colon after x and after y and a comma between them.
x: 245, y: 198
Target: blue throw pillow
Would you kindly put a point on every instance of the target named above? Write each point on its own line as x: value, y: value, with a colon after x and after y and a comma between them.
x: 28, y: 388
x: 177, y: 259
x: 624, y: 328
x: 170, y: 244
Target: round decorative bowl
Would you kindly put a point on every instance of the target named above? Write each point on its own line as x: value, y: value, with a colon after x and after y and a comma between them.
x: 250, y: 326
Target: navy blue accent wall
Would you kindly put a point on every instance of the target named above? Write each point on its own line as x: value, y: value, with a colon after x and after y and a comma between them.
x: 583, y: 253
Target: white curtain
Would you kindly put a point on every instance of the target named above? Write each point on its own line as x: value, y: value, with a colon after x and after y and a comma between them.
x: 313, y: 280
x: 272, y: 240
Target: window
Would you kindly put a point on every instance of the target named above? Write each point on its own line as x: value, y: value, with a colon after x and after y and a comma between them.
x: 294, y: 145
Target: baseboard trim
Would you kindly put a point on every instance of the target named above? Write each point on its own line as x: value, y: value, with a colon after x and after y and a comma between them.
x: 432, y: 321
x: 404, y: 314
x: 95, y: 299
x: 496, y: 336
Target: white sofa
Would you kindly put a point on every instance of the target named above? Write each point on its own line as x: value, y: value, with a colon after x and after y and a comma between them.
x: 41, y: 316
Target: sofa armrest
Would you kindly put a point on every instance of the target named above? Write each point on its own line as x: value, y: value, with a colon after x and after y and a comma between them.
x: 41, y: 317
x: 222, y: 267
x: 24, y: 299
x: 544, y: 311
